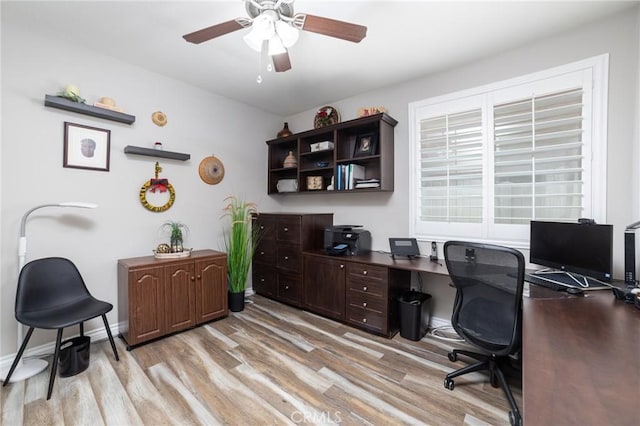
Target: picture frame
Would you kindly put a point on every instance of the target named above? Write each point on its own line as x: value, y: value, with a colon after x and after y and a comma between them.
x: 366, y: 145
x: 86, y: 147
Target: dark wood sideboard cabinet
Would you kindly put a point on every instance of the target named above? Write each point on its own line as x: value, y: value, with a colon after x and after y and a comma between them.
x: 315, y: 168
x: 277, y: 263
x: 157, y: 297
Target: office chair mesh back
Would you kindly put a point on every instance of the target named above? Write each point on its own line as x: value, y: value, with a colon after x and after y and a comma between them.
x: 489, y: 281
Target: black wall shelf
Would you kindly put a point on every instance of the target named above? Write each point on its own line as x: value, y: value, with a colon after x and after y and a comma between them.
x: 67, y: 105
x: 149, y: 152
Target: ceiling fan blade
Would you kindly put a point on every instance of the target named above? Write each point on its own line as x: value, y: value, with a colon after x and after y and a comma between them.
x: 281, y: 62
x: 333, y: 28
x: 214, y: 31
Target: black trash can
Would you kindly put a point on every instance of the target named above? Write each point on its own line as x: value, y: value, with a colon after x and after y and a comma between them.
x: 414, y: 314
x: 74, y: 356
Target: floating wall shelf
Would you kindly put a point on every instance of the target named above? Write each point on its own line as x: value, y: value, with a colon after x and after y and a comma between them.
x: 149, y: 152
x: 67, y: 105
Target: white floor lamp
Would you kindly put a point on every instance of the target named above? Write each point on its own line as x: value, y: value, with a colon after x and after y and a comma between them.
x: 31, y: 367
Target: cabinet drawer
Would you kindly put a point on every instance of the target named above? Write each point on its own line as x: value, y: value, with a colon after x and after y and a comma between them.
x: 266, y: 227
x: 367, y: 319
x: 370, y: 272
x: 289, y: 228
x: 366, y: 302
x: 289, y: 258
x: 265, y: 252
x: 289, y: 288
x: 264, y: 279
x: 367, y: 286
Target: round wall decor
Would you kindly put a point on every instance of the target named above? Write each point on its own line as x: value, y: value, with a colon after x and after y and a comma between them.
x: 211, y: 170
x: 326, y: 116
x: 149, y: 185
x: 159, y: 118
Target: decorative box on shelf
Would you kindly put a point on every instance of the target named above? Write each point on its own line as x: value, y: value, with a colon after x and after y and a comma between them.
x: 321, y: 146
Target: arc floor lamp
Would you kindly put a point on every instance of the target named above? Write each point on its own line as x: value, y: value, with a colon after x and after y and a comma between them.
x: 31, y: 367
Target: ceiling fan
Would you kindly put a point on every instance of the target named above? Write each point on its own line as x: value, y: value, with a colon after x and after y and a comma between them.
x: 274, y: 24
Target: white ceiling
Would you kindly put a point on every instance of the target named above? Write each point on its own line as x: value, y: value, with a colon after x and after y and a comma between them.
x: 405, y: 40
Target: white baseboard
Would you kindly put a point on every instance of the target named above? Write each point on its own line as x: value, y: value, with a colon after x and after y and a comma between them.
x: 49, y: 348
x: 435, y: 322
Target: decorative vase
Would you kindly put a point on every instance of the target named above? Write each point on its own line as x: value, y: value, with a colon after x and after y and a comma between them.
x: 285, y: 131
x: 290, y: 161
x: 236, y: 301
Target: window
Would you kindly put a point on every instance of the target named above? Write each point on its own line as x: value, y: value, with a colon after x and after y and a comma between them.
x: 486, y: 161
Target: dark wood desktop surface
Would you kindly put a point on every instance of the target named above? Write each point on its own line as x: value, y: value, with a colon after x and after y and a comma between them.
x: 581, y: 360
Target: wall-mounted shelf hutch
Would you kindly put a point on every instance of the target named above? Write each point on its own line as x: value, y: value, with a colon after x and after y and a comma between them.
x: 323, y: 165
x: 149, y: 152
x: 67, y: 105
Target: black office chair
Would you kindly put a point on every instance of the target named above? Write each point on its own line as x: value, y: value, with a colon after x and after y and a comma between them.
x: 51, y: 294
x: 488, y: 309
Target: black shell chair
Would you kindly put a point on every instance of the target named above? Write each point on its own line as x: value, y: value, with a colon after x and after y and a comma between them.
x: 487, y: 313
x: 51, y: 294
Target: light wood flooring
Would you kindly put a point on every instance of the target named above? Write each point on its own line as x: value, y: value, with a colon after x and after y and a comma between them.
x: 270, y: 364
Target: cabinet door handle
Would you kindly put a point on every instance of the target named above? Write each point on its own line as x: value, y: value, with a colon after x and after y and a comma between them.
x: 261, y: 227
x: 193, y: 278
x: 364, y: 304
x: 364, y: 272
x: 261, y: 280
x: 364, y: 320
x: 286, y: 229
x: 342, y: 266
x: 364, y: 288
x: 262, y: 253
x: 286, y: 258
x: 286, y: 287
x: 199, y: 277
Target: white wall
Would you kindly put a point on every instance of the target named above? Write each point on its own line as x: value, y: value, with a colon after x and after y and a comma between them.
x: 199, y: 123
x: 386, y: 215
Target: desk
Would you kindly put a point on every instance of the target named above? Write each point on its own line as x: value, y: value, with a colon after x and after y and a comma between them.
x: 581, y: 360
x: 581, y: 354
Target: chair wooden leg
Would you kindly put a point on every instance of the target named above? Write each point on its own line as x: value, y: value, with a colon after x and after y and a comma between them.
x: 54, y: 363
x: 113, y: 344
x: 18, y: 356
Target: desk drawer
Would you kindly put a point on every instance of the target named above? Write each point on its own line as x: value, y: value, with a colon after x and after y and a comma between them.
x: 359, y: 301
x: 370, y: 272
x: 367, y: 319
x: 367, y: 286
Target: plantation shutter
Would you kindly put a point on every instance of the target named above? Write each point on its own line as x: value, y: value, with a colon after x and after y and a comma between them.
x: 538, y: 158
x: 451, y: 164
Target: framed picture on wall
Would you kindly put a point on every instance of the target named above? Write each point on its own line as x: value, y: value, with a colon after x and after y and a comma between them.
x: 365, y: 145
x: 86, y: 147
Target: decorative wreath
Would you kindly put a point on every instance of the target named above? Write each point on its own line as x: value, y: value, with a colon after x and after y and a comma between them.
x: 160, y: 185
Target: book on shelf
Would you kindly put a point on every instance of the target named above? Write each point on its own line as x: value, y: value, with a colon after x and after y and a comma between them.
x: 347, y: 175
x: 367, y: 183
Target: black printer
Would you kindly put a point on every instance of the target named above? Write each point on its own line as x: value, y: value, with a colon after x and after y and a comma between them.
x: 346, y: 240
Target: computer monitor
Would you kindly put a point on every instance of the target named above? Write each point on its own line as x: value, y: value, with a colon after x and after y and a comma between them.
x: 585, y: 249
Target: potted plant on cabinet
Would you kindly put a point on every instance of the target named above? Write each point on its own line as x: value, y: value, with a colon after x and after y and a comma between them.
x: 240, y: 240
x: 176, y: 232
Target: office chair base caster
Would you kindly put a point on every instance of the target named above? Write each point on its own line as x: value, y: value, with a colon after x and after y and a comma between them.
x: 448, y: 384
x: 453, y: 357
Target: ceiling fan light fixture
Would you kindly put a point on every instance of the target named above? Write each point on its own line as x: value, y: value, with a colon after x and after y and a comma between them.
x: 287, y: 33
x: 276, y: 47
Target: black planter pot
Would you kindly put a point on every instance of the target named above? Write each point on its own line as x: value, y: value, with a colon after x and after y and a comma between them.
x: 236, y: 301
